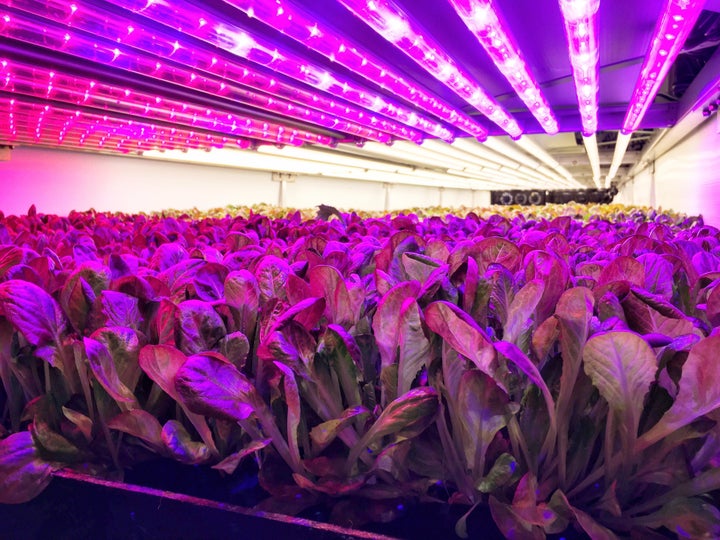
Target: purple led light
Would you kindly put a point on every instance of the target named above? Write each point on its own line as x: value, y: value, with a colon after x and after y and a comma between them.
x: 43, y: 83
x: 393, y: 24
x: 243, y: 43
x: 672, y: 29
x: 295, y: 23
x: 581, y: 27
x: 36, y: 123
x: 483, y: 20
x: 224, y: 80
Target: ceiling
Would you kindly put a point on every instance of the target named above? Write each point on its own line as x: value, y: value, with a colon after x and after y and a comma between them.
x: 146, y: 76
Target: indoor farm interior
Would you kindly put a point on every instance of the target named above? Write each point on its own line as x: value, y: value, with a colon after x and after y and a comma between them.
x: 359, y: 269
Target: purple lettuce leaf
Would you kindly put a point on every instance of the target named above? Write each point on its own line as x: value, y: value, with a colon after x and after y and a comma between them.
x: 32, y: 311
x: 23, y: 474
x: 180, y: 446
x: 462, y: 333
x: 199, y: 327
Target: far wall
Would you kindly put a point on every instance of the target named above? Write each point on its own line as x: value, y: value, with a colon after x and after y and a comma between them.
x: 58, y: 181
x: 686, y: 179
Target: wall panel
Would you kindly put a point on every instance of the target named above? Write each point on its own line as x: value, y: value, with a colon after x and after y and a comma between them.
x: 686, y: 179
x: 58, y: 181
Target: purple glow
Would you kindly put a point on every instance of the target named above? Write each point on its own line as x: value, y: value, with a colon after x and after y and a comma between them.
x: 35, y: 123
x: 243, y: 43
x: 490, y: 29
x: 677, y: 20
x: 234, y: 78
x: 43, y: 83
x: 393, y: 24
x: 581, y: 27
x: 292, y: 21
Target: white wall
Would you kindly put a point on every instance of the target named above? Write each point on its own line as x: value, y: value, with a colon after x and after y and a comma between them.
x: 58, y: 181
x: 686, y: 178
x: 308, y: 191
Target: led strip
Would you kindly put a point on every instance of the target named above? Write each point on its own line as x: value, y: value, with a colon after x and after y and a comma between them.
x: 488, y: 26
x: 581, y: 27
x: 391, y: 22
x: 227, y: 79
x: 48, y: 84
x: 259, y: 161
x: 673, y: 27
x: 243, y: 43
x: 297, y: 24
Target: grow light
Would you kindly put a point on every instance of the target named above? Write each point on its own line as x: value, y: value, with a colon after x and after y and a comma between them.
x: 58, y: 86
x: 673, y: 28
x: 391, y: 22
x: 486, y: 23
x: 581, y: 27
x: 671, y: 31
x: 295, y: 23
x: 250, y: 46
x: 205, y: 71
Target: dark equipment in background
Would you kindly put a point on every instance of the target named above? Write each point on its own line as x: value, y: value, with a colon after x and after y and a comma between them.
x: 534, y: 197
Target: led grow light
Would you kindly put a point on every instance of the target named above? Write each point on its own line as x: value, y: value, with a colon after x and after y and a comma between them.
x: 226, y: 78
x: 222, y: 33
x: 673, y: 27
x: 58, y: 86
x: 581, y: 27
x: 486, y: 23
x: 294, y: 22
x: 394, y: 25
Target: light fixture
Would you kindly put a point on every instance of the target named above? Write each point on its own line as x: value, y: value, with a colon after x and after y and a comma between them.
x: 673, y: 27
x: 529, y: 146
x: 623, y: 139
x: 259, y: 161
x: 581, y: 28
x: 391, y: 22
x: 334, y: 158
x: 221, y: 32
x: 294, y: 22
x: 488, y: 26
x: 141, y: 52
x: 591, y: 148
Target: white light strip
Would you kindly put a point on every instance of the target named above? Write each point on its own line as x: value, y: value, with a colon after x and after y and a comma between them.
x: 333, y: 158
x: 620, y: 147
x: 476, y: 150
x: 479, y: 150
x: 252, y: 160
x: 591, y: 148
x: 531, y: 148
x: 528, y: 163
x: 450, y: 150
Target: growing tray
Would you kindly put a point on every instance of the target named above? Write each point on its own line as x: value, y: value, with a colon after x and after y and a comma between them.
x: 76, y: 506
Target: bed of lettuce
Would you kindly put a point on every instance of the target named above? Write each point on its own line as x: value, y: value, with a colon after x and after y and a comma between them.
x: 562, y: 370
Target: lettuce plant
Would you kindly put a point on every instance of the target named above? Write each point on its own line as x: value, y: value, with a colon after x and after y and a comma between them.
x: 558, y: 370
